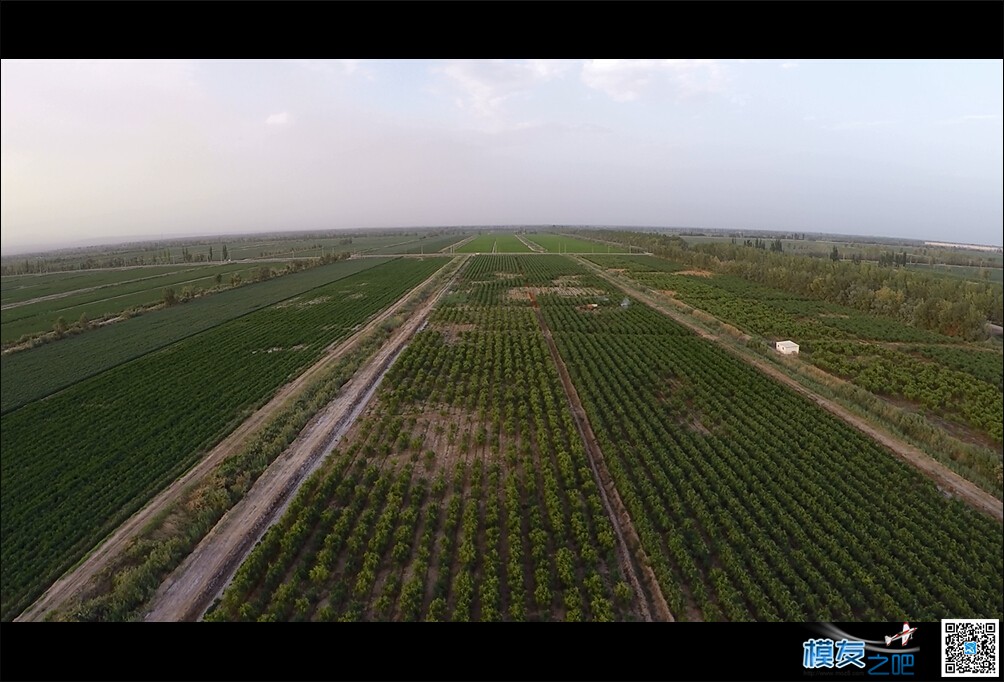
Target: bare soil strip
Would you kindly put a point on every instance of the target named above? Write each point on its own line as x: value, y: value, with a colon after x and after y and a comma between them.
x: 942, y: 476
x: 191, y: 588
x: 78, y: 578
x: 626, y: 534
x: 536, y: 248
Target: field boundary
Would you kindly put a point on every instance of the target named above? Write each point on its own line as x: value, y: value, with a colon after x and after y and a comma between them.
x: 941, y: 475
x: 190, y: 589
x: 80, y: 576
x: 616, y: 511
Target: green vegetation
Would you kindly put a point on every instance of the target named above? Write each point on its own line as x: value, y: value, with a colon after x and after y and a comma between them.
x: 945, y: 305
x: 112, y: 299
x: 830, y: 337
x: 494, y: 242
x: 561, y: 243
x: 112, y: 440
x: 18, y: 288
x: 30, y: 375
x: 466, y: 495
x: 752, y: 502
x: 884, y: 371
x: 973, y: 272
x: 166, y: 541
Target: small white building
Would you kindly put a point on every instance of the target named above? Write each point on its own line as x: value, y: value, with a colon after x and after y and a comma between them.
x: 786, y: 347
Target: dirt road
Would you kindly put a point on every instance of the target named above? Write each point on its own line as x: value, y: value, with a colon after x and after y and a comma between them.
x: 192, y: 587
x: 944, y: 477
x: 627, y: 536
x: 85, y: 573
x: 536, y: 248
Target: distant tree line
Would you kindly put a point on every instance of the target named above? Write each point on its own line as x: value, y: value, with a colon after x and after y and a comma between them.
x: 951, y: 306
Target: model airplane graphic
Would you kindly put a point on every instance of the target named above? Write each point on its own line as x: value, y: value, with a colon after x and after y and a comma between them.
x: 904, y: 635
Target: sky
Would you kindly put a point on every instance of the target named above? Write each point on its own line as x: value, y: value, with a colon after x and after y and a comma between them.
x: 106, y: 150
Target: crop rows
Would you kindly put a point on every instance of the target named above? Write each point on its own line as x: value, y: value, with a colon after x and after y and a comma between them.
x: 762, y: 310
x: 495, y: 242
x: 17, y: 288
x: 34, y: 374
x: 463, y: 494
x: 562, y: 243
x: 890, y: 372
x: 111, y: 299
x: 77, y: 463
x: 753, y: 503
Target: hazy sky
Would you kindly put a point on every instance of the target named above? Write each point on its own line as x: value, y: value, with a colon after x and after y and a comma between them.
x: 95, y: 149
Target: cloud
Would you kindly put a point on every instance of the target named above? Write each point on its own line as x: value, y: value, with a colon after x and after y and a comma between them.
x: 624, y: 80
x: 789, y: 65
x: 345, y: 67
x: 859, y: 125
x: 971, y: 117
x: 484, y: 85
x: 279, y: 119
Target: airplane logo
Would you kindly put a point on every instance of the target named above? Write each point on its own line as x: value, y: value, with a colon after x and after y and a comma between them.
x: 904, y: 636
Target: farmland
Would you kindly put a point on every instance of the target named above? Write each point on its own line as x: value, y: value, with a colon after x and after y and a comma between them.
x: 494, y: 242
x: 561, y: 243
x: 113, y: 439
x: 58, y: 365
x: 864, y: 348
x: 465, y: 493
x: 110, y: 299
x: 713, y: 459
x: 470, y: 488
x: 992, y: 274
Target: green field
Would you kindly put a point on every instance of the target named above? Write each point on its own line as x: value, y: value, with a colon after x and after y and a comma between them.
x: 494, y: 242
x: 467, y: 495
x: 421, y: 245
x: 111, y: 299
x: 946, y: 378
x: 560, y: 243
x: 113, y: 440
x: 17, y: 288
x: 962, y: 271
x: 33, y: 374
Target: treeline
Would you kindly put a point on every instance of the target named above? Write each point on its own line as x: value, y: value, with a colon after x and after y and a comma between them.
x: 38, y: 266
x: 949, y: 306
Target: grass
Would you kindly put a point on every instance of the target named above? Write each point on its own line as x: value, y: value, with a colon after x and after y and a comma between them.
x: 560, y: 243
x: 494, y: 242
x: 113, y: 298
x: 34, y: 374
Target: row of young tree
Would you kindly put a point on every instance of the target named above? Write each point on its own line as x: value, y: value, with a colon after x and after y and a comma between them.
x: 513, y: 530
x: 113, y: 439
x: 751, y: 502
x: 950, y: 306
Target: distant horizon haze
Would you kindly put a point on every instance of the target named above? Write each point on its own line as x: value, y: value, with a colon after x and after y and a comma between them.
x: 112, y: 242
x: 149, y: 149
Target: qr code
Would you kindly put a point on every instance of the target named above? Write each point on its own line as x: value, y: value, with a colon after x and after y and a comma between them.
x: 970, y: 648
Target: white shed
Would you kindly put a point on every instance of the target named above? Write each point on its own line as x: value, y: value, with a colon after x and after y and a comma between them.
x: 786, y: 347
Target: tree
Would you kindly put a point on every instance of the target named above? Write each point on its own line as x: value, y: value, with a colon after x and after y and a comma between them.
x: 60, y: 327
x: 219, y: 278
x: 210, y: 253
x: 834, y: 254
x: 170, y: 298
x: 225, y: 256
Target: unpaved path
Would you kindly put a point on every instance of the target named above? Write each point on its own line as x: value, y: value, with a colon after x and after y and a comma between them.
x: 191, y: 588
x: 84, y: 290
x: 625, y: 531
x: 944, y: 477
x: 78, y: 578
x: 536, y: 248
x: 456, y: 245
